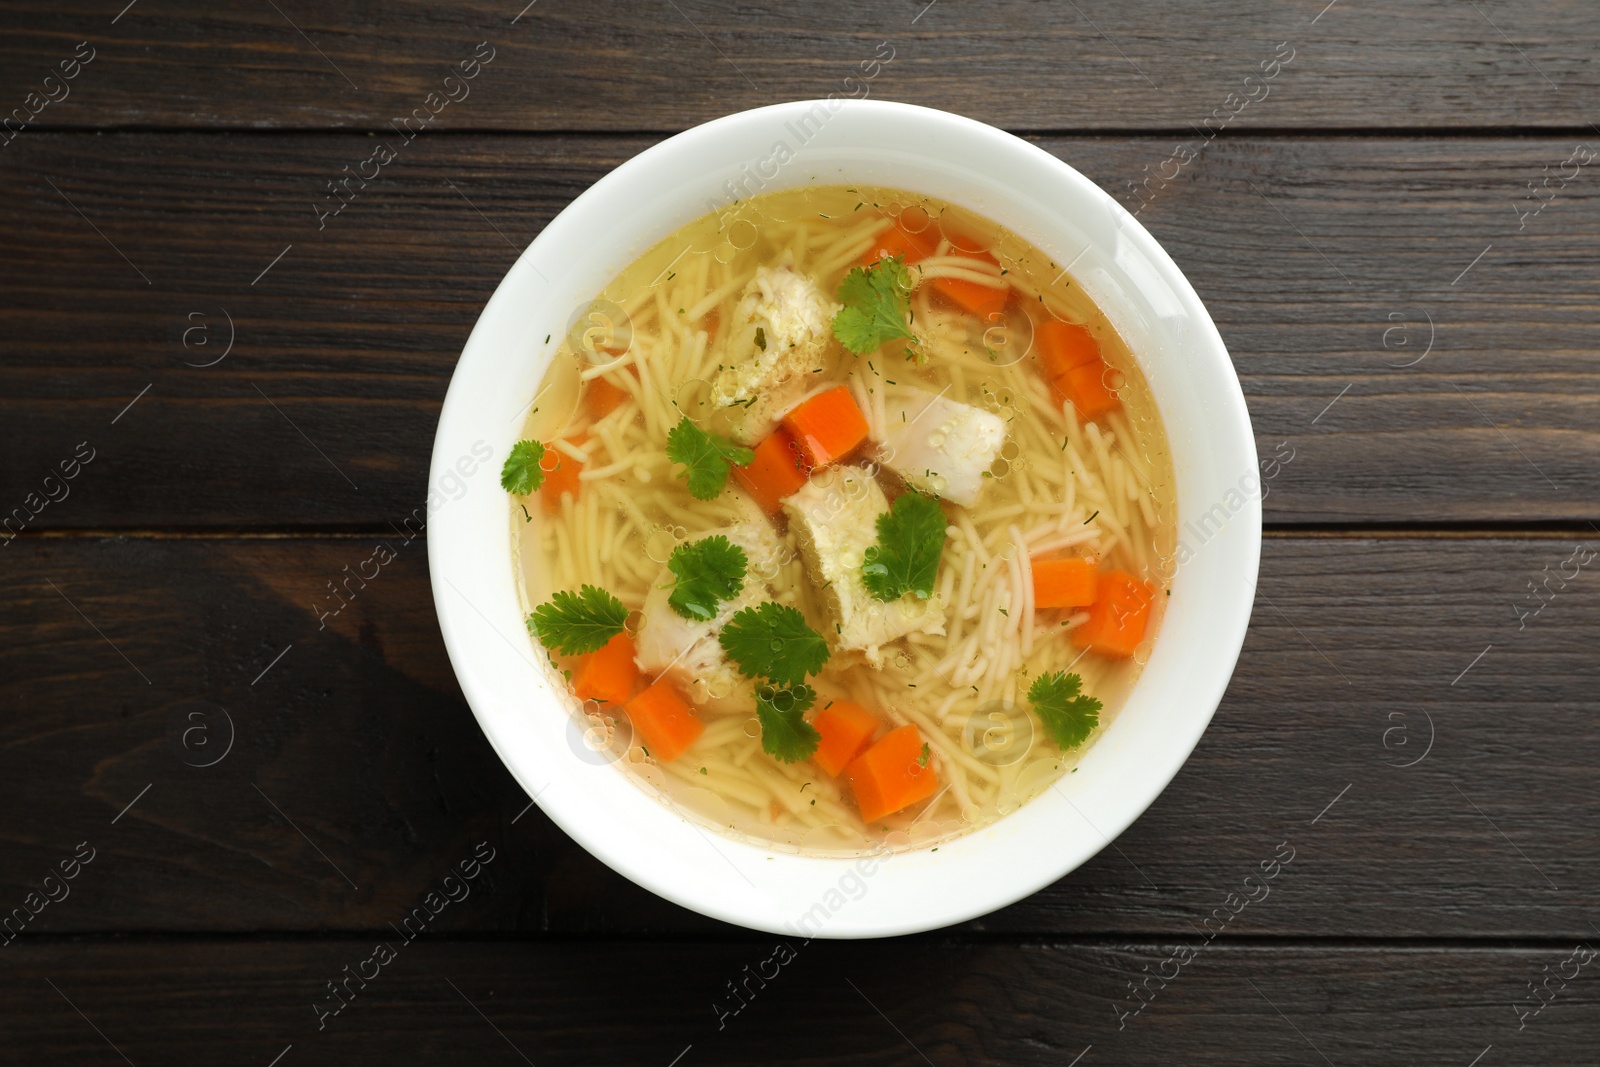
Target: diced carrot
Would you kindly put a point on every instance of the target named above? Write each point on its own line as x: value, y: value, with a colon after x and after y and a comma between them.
x: 609, y: 673
x: 712, y: 323
x: 892, y: 774
x: 827, y: 427
x: 665, y: 722
x: 602, y: 397
x: 980, y: 300
x: 560, y: 474
x: 1118, y: 617
x: 1063, y: 345
x: 1086, y: 387
x: 1064, y: 583
x: 983, y: 301
x: 775, y: 472
x: 898, y: 242
x: 846, y: 727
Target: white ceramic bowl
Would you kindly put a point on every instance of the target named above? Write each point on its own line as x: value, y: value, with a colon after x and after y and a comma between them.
x: 1153, y: 307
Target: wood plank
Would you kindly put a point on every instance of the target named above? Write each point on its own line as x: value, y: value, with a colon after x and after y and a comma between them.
x: 1323, y: 260
x: 629, y: 66
x: 357, y: 776
x: 910, y: 1000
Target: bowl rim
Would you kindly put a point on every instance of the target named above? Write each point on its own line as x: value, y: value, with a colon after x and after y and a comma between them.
x: 609, y: 835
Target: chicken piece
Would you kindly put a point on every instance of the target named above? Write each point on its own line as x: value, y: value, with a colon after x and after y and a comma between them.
x: 835, y: 520
x: 939, y: 445
x: 687, y: 650
x: 781, y: 333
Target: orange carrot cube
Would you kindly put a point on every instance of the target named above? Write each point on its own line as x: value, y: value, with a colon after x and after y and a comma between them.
x: 893, y: 774
x: 827, y: 427
x: 560, y: 474
x: 775, y: 473
x: 1062, y: 346
x: 1086, y: 387
x: 601, y: 397
x: 897, y: 242
x: 609, y: 673
x: 1064, y: 583
x: 664, y: 721
x: 846, y: 727
x: 1118, y: 617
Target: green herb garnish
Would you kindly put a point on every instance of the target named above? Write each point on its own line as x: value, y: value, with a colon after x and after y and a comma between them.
x: 1068, y: 717
x: 709, y: 571
x: 876, y: 301
x: 785, y: 735
x: 575, y: 623
x: 521, y: 473
x: 761, y: 338
x: 772, y: 641
x: 906, y: 558
x: 707, y: 457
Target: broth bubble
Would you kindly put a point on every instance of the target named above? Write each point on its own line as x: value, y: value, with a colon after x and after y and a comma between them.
x: 691, y: 396
x: 659, y: 543
x: 914, y: 219
x: 999, y: 733
x: 742, y: 234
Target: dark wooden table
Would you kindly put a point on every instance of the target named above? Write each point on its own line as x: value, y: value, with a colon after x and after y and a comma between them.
x: 249, y: 801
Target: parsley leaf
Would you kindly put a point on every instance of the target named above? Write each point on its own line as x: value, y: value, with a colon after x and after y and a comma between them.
x: 784, y: 734
x: 772, y: 641
x: 706, y: 455
x: 575, y: 623
x: 709, y: 571
x: 876, y: 300
x: 906, y: 557
x: 521, y: 473
x: 1067, y: 716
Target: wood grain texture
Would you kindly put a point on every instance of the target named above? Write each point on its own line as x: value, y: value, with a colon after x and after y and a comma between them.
x: 613, y: 65
x: 1329, y: 264
x: 910, y: 1000
x: 357, y: 776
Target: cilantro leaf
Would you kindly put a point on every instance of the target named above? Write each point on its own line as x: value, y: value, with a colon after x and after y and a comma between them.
x: 521, y: 473
x: 910, y: 542
x: 709, y: 571
x: 1067, y: 716
x: 785, y: 735
x: 772, y: 641
x: 575, y: 623
x: 876, y: 300
x: 706, y: 455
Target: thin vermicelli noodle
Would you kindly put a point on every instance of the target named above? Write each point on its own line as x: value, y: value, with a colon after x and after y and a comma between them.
x: 1061, y: 486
